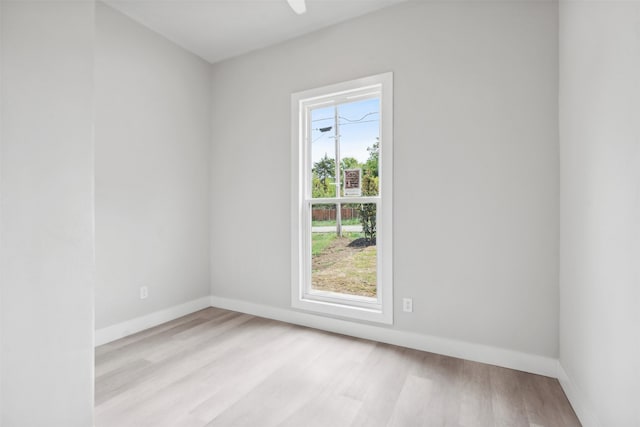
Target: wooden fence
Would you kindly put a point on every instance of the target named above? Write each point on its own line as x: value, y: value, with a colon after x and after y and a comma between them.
x: 328, y: 214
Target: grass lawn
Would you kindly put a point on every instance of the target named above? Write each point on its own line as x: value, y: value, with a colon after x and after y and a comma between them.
x: 353, y: 235
x: 319, y: 241
x: 340, y: 264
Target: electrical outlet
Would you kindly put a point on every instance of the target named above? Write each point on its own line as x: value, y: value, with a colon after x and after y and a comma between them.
x: 407, y: 305
x: 144, y: 292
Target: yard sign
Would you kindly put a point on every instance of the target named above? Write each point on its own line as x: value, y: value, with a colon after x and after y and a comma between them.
x: 353, y: 182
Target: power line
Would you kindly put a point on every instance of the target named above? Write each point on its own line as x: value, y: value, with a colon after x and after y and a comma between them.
x: 346, y: 118
x: 321, y: 135
x: 350, y: 122
x: 324, y: 130
x: 325, y: 118
x: 357, y: 123
x: 360, y: 119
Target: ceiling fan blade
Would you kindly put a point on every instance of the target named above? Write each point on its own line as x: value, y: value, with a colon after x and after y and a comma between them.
x: 298, y: 6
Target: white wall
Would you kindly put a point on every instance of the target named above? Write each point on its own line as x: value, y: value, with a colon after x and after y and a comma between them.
x: 152, y: 130
x: 476, y: 165
x: 46, y: 250
x: 600, y: 210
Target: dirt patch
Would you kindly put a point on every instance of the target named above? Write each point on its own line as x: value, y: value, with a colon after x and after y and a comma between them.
x: 346, y: 266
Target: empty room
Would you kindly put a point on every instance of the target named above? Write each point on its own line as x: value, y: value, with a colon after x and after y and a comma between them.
x: 319, y: 213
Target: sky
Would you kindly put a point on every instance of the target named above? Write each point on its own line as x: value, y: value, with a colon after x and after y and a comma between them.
x: 359, y: 127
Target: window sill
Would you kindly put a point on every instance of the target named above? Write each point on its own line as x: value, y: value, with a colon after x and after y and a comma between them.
x: 345, y: 309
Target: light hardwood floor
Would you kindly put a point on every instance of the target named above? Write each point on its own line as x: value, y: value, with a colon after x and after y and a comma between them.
x: 222, y: 368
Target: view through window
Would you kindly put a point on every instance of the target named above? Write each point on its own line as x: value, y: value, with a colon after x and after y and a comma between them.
x: 345, y: 142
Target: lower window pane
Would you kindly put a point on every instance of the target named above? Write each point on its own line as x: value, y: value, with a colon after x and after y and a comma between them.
x: 343, y: 249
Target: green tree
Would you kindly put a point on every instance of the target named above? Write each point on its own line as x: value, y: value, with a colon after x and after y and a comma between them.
x: 349, y: 163
x: 320, y: 190
x: 370, y: 187
x: 371, y: 166
x: 325, y: 170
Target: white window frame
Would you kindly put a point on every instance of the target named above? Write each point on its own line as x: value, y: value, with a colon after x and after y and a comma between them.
x: 379, y: 309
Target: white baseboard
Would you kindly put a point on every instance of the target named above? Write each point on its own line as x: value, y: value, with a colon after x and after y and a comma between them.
x: 120, y: 330
x: 580, y: 405
x: 476, y: 352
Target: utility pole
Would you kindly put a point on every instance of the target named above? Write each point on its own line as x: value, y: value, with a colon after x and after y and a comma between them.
x: 338, y: 176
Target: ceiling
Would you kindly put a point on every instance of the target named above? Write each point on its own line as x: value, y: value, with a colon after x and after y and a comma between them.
x: 219, y: 29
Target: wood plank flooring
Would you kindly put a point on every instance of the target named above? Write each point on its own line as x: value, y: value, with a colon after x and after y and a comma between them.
x: 220, y: 368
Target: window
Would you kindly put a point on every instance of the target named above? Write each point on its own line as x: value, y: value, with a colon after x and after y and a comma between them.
x: 341, y: 199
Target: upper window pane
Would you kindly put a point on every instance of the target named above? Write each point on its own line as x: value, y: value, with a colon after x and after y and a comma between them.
x: 345, y: 141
